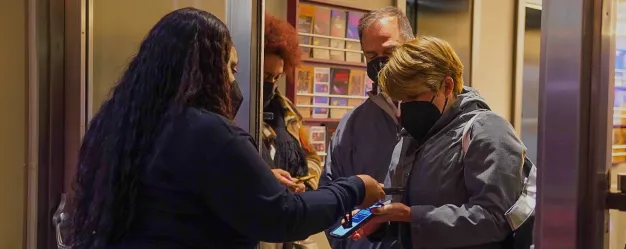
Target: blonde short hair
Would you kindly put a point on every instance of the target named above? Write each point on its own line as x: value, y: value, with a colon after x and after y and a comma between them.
x: 421, y: 65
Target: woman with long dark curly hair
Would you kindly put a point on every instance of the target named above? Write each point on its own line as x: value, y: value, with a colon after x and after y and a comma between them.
x: 163, y: 166
x: 286, y: 142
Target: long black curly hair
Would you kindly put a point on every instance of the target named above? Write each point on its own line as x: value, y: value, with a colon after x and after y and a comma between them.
x: 181, y: 63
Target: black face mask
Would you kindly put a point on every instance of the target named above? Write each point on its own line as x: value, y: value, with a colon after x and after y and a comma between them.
x: 269, y: 90
x: 236, y: 98
x: 418, y: 117
x: 373, y: 68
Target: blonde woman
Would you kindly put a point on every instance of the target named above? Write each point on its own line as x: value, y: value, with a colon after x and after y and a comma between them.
x: 455, y: 196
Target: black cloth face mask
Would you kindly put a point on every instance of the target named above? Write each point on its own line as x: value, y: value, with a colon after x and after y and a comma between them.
x: 269, y: 91
x: 236, y: 97
x: 418, y: 117
x: 373, y: 68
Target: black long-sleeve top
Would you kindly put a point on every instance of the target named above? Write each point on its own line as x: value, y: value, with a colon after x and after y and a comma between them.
x: 207, y: 187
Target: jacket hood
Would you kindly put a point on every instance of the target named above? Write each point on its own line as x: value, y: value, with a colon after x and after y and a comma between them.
x: 469, y: 100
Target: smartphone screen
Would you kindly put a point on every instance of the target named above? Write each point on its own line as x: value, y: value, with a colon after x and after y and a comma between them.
x: 358, y: 220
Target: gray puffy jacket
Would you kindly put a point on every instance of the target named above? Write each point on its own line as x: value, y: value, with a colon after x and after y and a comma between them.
x: 459, y: 200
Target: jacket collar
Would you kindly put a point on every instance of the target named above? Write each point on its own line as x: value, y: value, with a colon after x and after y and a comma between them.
x: 289, y: 109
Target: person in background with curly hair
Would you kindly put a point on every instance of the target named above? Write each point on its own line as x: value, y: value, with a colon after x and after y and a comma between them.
x: 286, y: 146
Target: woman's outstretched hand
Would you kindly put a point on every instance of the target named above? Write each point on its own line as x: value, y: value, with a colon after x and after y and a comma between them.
x: 285, y: 179
x: 373, y: 191
x: 397, y: 212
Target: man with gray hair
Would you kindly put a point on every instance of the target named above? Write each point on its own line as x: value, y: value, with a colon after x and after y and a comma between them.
x: 366, y: 136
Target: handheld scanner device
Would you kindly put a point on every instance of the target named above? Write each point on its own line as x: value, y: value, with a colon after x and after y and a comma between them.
x: 394, y: 191
x: 355, y: 222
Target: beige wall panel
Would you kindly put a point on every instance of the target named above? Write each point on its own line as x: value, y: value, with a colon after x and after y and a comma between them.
x: 277, y: 8
x: 13, y: 128
x: 455, y: 28
x: 493, y: 53
x: 367, y: 4
x: 119, y: 26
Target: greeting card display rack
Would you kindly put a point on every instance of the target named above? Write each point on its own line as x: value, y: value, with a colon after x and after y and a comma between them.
x: 331, y: 79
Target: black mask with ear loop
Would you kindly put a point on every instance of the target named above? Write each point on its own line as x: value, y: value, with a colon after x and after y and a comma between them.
x: 236, y: 97
x: 373, y: 68
x: 418, y: 117
x: 269, y: 91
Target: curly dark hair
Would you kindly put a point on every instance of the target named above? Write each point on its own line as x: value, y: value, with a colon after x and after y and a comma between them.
x: 282, y: 39
x: 181, y: 63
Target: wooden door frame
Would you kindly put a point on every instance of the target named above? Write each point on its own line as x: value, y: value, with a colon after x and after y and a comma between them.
x: 46, y: 118
x: 56, y: 114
